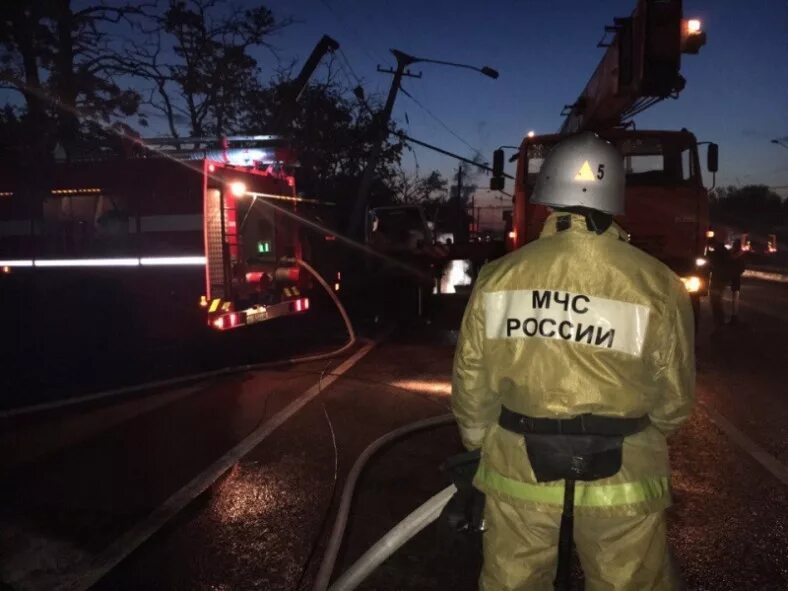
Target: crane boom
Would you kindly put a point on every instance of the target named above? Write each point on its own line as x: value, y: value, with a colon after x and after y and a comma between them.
x: 295, y: 88
x: 267, y: 148
x: 640, y: 67
x: 667, y: 208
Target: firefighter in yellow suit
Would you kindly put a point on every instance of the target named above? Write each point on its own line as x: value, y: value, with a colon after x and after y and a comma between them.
x: 577, y: 332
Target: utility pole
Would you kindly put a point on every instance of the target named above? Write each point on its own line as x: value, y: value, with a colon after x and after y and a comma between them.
x: 359, y: 208
x: 474, y: 214
x: 404, y: 60
x: 459, y: 237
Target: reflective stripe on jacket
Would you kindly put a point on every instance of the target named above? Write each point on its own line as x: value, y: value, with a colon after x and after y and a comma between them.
x: 575, y: 323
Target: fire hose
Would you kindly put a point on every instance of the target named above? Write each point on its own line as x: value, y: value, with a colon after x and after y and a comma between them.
x: 393, y: 540
x: 409, y: 527
x: 463, y: 467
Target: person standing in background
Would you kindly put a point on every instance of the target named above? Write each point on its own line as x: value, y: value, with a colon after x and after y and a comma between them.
x: 736, y: 270
x: 720, y: 267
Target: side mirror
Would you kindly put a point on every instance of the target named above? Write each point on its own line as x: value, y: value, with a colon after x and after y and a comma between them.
x: 712, y: 158
x: 497, y: 181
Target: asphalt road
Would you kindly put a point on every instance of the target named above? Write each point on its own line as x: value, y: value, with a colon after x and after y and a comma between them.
x: 65, y: 516
x: 57, y: 369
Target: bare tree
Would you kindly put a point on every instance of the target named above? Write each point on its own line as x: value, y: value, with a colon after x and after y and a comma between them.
x: 21, y: 51
x: 195, y: 58
x: 57, y: 54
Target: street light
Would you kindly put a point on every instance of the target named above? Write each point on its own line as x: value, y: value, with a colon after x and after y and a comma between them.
x: 403, y: 61
x: 486, y: 70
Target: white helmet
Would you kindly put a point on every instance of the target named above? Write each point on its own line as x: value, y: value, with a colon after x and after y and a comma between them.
x: 582, y: 171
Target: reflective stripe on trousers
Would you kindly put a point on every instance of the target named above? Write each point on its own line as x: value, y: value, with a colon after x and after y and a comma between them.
x: 586, y: 495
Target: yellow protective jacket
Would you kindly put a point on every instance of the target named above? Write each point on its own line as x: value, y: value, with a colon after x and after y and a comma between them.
x: 575, y: 323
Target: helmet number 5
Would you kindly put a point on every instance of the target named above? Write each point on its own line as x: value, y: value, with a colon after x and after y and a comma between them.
x: 600, y: 172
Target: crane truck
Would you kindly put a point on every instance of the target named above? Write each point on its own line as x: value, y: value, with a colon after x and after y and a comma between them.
x: 666, y: 211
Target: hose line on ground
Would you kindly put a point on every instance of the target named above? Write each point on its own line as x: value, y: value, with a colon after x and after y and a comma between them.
x: 337, y: 533
x: 393, y: 540
x: 342, y: 312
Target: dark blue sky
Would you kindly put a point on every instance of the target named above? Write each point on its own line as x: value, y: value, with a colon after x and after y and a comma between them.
x: 736, y: 95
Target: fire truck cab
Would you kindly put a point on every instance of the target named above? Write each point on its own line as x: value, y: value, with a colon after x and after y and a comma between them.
x: 667, y: 212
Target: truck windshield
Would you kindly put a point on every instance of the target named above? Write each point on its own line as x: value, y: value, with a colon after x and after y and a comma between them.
x: 648, y: 160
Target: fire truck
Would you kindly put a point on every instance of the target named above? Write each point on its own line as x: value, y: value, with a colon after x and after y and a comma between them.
x: 666, y: 211
x: 211, y: 238
x: 185, y: 233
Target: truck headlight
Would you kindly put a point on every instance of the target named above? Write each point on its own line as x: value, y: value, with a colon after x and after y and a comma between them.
x: 701, y: 262
x: 692, y: 283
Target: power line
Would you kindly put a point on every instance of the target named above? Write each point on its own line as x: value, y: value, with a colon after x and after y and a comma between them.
x: 415, y: 159
x: 359, y: 95
x: 406, y: 93
x: 349, y: 67
x: 348, y: 73
x: 436, y: 118
x: 350, y: 30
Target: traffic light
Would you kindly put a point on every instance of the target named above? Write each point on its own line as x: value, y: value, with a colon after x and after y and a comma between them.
x: 497, y: 181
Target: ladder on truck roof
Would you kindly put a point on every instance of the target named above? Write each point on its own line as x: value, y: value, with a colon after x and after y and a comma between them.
x: 239, y: 150
x: 211, y: 142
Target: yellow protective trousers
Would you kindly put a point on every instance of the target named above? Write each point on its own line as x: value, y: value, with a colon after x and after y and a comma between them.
x: 617, y: 553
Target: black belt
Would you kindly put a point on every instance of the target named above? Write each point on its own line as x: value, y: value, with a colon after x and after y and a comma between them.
x: 586, y: 424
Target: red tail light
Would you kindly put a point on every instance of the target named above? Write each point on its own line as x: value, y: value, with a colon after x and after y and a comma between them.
x: 226, y: 321
x: 301, y: 305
